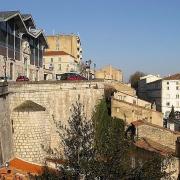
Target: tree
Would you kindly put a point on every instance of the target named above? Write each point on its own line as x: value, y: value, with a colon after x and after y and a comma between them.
x: 112, y: 148
x: 134, y: 78
x: 172, y: 114
x: 98, y: 149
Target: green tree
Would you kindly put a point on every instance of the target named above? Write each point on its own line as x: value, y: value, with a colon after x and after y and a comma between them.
x: 134, y: 78
x: 98, y: 149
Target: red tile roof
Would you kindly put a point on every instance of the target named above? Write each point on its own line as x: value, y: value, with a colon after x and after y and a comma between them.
x: 152, y: 146
x: 56, y: 53
x: 25, y: 166
x: 173, y: 77
x: 19, y: 168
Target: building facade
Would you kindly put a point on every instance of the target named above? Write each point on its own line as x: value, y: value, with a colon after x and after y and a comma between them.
x: 131, y: 108
x: 21, y: 46
x: 164, y: 92
x: 59, y: 62
x: 109, y: 73
x: 70, y: 44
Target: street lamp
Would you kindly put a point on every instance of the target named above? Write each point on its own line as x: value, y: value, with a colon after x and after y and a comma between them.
x: 5, y: 67
x: 88, y: 67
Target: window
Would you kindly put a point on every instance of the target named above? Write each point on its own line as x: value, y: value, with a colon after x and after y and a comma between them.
x: 177, y: 83
x: 177, y: 96
x: 167, y: 87
x: 167, y: 103
x: 177, y: 104
x: 177, y: 88
x: 59, y: 67
x: 167, y: 82
x: 51, y: 60
x: 57, y: 46
x: 59, y: 59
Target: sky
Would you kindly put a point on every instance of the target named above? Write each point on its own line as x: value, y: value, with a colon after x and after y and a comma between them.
x: 132, y: 35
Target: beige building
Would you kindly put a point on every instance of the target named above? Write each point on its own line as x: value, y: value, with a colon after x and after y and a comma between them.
x: 59, y: 62
x: 120, y: 87
x: 109, y: 73
x: 130, y: 108
x: 70, y: 44
x: 132, y: 99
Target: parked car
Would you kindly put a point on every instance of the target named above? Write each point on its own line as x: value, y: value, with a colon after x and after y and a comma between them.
x: 22, y: 78
x: 72, y: 76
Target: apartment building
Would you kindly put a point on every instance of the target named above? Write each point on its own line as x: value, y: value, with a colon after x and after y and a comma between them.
x: 59, y: 62
x: 21, y: 46
x: 69, y: 43
x: 164, y: 92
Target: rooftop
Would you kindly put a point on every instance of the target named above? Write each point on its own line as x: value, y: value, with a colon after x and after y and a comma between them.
x: 20, y: 169
x: 173, y: 77
x: 152, y: 146
x: 142, y: 122
x: 56, y: 53
x: 7, y: 14
x: 28, y: 105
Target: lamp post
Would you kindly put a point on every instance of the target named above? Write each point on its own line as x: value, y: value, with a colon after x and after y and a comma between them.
x: 88, y: 67
x: 94, y: 69
x: 5, y: 68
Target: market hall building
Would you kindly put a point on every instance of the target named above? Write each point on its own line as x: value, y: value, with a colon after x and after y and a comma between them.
x: 21, y: 46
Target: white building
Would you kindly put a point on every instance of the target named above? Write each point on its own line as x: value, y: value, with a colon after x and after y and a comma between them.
x: 164, y: 92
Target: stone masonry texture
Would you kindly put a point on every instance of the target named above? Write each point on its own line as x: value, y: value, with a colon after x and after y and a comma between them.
x: 34, y: 129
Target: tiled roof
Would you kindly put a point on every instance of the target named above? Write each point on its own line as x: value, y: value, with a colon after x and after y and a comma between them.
x: 19, y: 169
x: 173, y: 77
x: 26, y: 166
x: 28, y: 105
x: 152, y: 146
x: 55, y: 53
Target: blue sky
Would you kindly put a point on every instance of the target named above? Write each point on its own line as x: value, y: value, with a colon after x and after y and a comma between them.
x: 129, y: 34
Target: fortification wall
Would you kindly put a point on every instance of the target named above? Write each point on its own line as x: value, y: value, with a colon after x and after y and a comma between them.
x: 5, y: 125
x: 57, y: 98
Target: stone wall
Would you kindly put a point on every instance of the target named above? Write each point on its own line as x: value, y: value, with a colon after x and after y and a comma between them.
x: 31, y: 133
x: 57, y: 98
x: 130, y: 112
x: 5, y: 125
x: 158, y: 134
